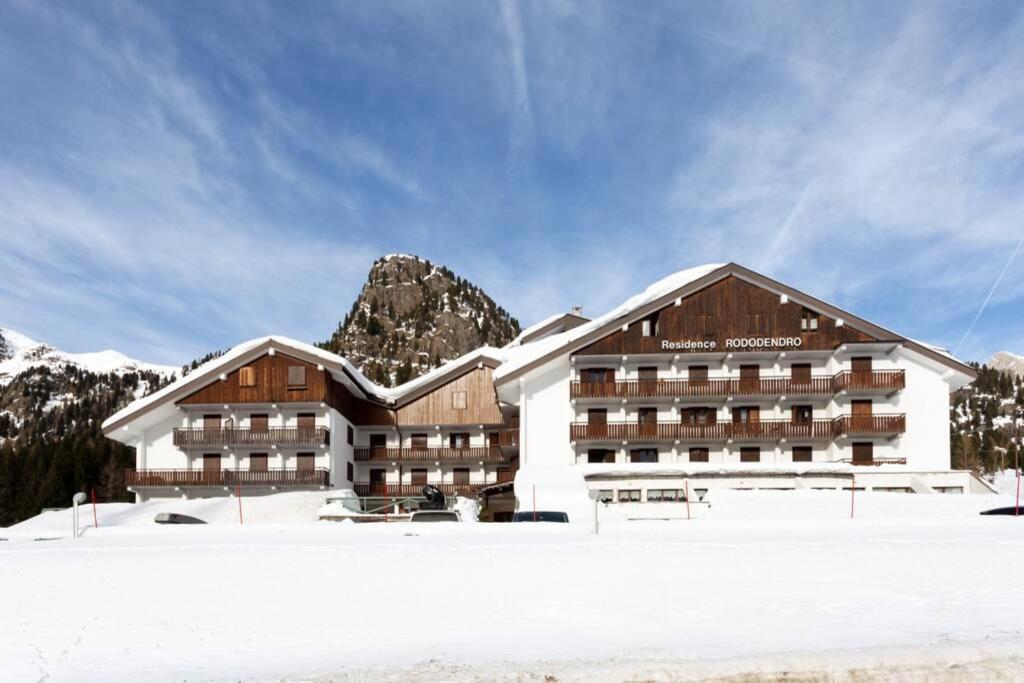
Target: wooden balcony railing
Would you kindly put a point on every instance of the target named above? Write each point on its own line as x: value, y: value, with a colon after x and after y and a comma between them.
x: 367, y: 489
x: 768, y: 430
x: 870, y: 425
x: 489, y: 454
x: 883, y: 380
x: 228, y: 477
x: 244, y: 436
x: 508, y: 438
x: 886, y: 380
x: 874, y: 461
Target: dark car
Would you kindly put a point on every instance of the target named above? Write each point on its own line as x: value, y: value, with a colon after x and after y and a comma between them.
x: 1011, y: 511
x: 541, y: 516
x: 175, y: 518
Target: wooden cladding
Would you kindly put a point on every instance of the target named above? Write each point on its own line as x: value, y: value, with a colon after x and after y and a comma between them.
x: 748, y: 428
x: 728, y: 309
x: 230, y: 478
x: 883, y: 382
x: 466, y: 399
x: 242, y: 436
x: 270, y: 377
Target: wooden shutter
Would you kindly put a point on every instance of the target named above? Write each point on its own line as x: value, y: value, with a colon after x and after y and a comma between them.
x: 750, y: 454
x: 802, y: 414
x: 801, y: 454
x: 492, y: 439
x: 296, y: 375
x: 211, y: 468
x: 861, y: 407
x: 597, y: 416
x: 699, y: 455
x: 305, y: 462
x: 800, y: 373
x: 647, y: 374
x: 609, y: 375
x: 247, y: 376
x: 259, y: 422
x: 861, y: 364
x: 418, y: 440
x: 458, y: 400
x: 460, y: 475
x: 648, y: 415
x: 698, y: 373
x: 381, y: 440
x: 419, y: 476
x: 258, y: 462
x: 211, y: 421
x: 863, y: 453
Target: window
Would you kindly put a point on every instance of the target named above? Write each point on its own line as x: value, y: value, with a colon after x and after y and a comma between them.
x: 647, y: 416
x: 629, y: 495
x: 600, y: 455
x: 597, y: 416
x: 296, y: 376
x: 666, y: 496
x: 418, y: 476
x: 648, y: 373
x: 350, y: 437
x: 746, y: 414
x: 350, y: 471
x: 459, y: 400
x: 699, y: 454
x: 750, y: 454
x: 259, y: 422
x: 458, y: 440
x: 643, y: 455
x: 802, y: 414
x: 305, y: 462
x: 597, y: 375
x: 258, y: 462
x: 419, y: 441
x: 698, y: 374
x: 606, y: 496
x: 378, y: 440
x: 247, y: 376
x: 649, y: 326
x: 808, y: 321
x: 460, y: 475
x: 698, y: 416
x: 802, y: 454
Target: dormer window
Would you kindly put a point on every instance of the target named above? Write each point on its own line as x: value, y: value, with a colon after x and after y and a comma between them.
x: 649, y: 326
x: 809, y: 321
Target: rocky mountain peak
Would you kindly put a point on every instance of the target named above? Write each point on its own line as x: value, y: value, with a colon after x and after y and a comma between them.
x: 412, y: 315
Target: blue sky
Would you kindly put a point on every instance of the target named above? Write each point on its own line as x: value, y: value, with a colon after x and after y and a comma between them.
x: 181, y: 176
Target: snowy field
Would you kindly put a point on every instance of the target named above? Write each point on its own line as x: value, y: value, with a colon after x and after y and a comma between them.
x: 915, y: 588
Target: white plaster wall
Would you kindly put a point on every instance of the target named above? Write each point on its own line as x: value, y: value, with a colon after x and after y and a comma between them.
x: 925, y: 400
x: 544, y: 416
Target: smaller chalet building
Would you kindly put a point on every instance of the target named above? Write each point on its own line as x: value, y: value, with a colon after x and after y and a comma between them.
x: 715, y: 376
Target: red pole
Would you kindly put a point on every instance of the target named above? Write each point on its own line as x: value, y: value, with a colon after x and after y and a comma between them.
x: 535, y: 502
x: 387, y: 502
x: 687, y: 499
x: 96, y: 521
x: 853, y: 489
x: 1016, y: 506
x: 238, y: 495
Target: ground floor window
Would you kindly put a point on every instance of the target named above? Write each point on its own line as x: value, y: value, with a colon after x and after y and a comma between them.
x: 699, y: 455
x: 863, y: 453
x: 629, y: 495
x: 350, y: 471
x: 666, y: 495
x: 606, y: 496
x: 597, y: 455
x: 643, y: 455
x: 947, y: 489
x: 750, y: 454
x: 802, y: 454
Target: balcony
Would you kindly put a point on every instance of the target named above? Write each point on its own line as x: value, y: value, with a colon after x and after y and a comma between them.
x: 887, y: 381
x: 231, y: 478
x: 871, y: 425
x: 244, y: 436
x: 874, y: 461
x: 822, y: 429
x: 882, y: 382
x: 390, y: 490
x: 487, y: 454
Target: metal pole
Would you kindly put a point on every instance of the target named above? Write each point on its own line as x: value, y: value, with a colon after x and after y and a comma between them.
x: 535, y: 502
x: 95, y: 520
x: 596, y: 501
x: 238, y: 495
x: 687, y: 483
x: 853, y: 490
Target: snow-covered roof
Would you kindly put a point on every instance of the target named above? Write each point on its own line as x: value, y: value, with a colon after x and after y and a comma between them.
x: 520, y: 356
x: 340, y: 368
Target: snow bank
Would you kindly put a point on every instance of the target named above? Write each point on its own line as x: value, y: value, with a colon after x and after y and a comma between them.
x: 558, y: 489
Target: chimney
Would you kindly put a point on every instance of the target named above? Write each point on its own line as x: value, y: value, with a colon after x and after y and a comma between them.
x: 577, y: 310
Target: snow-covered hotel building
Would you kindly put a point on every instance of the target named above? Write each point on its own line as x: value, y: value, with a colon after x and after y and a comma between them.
x: 715, y: 376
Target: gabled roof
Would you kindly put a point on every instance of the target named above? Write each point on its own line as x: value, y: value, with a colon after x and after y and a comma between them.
x: 339, y: 367
x: 521, y: 360
x: 559, y: 322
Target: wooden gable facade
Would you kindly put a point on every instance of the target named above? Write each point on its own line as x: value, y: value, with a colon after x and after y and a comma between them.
x: 466, y: 399
x: 730, y: 308
x: 265, y: 380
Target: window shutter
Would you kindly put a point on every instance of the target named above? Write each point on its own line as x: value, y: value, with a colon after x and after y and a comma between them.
x: 247, y: 376
x: 296, y: 376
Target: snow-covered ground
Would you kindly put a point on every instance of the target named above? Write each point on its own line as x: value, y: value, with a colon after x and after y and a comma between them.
x: 915, y: 586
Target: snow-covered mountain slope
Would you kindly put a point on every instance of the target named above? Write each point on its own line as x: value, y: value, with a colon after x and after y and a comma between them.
x: 1007, y: 362
x: 18, y: 353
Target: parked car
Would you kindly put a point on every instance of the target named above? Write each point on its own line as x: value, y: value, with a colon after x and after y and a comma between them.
x: 1011, y: 511
x: 436, y: 516
x: 541, y: 516
x: 175, y: 518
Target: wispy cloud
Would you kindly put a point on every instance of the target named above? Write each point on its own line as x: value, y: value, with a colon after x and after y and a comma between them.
x: 522, y: 114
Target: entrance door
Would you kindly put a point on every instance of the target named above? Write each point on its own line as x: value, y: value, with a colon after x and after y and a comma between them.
x: 648, y: 419
x: 745, y: 420
x: 460, y: 477
x: 800, y: 373
x: 648, y: 384
x: 211, y: 468
x: 597, y: 418
x: 378, y: 478
x: 211, y: 422
x: 861, y: 371
x: 379, y: 442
